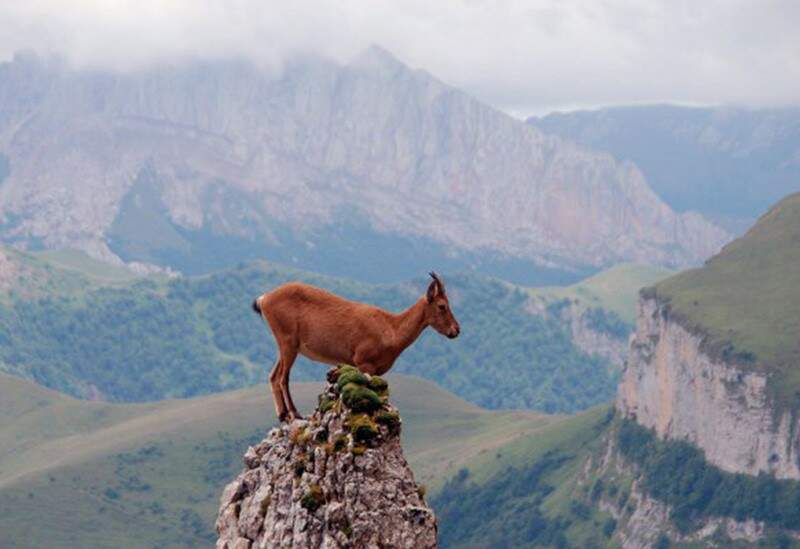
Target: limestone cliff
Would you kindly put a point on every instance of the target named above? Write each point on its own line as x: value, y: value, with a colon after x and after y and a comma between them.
x: 338, y: 479
x: 673, y: 387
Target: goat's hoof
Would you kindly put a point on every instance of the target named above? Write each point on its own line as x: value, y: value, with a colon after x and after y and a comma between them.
x: 282, y: 417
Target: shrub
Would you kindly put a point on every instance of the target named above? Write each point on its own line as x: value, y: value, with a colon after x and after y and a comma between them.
x: 325, y: 403
x: 363, y: 428
x: 390, y: 420
x: 609, y: 526
x: 379, y: 385
x: 348, y: 374
x: 313, y: 498
x: 340, y: 443
x: 359, y: 398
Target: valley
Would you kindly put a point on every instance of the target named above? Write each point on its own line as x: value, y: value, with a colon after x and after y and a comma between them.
x: 151, y: 474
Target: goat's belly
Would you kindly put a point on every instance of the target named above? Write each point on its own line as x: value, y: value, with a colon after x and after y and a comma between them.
x: 319, y: 357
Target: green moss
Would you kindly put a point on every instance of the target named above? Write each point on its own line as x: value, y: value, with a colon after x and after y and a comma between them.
x: 359, y: 398
x: 313, y: 498
x: 389, y: 419
x: 325, y: 403
x: 348, y: 374
x: 359, y: 450
x: 379, y: 385
x: 363, y: 428
x: 421, y: 491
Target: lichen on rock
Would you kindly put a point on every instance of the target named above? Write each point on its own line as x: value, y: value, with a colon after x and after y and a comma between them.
x: 338, y: 479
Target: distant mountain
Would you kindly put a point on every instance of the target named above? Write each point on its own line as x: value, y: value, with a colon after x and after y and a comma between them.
x: 370, y: 170
x: 730, y: 164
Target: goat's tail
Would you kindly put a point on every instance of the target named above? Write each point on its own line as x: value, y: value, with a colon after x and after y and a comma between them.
x: 256, y: 306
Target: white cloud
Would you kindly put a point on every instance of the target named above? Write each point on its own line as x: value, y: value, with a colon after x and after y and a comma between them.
x: 520, y: 56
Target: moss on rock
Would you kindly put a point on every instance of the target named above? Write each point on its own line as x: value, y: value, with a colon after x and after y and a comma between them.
x: 325, y: 403
x: 349, y: 374
x: 389, y: 419
x: 313, y: 498
x: 379, y: 385
x: 363, y: 428
x: 360, y: 399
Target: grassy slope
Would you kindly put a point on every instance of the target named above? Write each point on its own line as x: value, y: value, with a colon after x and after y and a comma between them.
x: 746, y: 299
x: 483, y: 521
x: 615, y: 289
x: 143, y: 475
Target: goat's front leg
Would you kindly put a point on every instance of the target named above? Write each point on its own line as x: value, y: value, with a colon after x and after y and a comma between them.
x: 277, y: 394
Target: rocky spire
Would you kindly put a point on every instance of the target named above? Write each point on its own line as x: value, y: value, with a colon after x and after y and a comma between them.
x: 338, y: 479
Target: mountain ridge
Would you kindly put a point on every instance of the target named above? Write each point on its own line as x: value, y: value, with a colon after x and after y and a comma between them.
x: 272, y: 164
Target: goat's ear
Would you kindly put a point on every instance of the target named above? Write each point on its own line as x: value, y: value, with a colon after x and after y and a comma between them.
x: 433, y: 291
x: 438, y: 281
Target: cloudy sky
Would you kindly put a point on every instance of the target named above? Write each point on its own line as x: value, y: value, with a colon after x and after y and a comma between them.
x: 523, y: 57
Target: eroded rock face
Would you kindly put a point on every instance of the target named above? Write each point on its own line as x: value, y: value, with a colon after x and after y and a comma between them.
x: 338, y: 479
x: 671, y: 386
x: 230, y: 146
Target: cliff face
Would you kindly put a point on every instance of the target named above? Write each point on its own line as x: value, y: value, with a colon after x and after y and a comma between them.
x: 338, y: 479
x: 671, y: 386
x: 611, y: 346
x: 238, y: 151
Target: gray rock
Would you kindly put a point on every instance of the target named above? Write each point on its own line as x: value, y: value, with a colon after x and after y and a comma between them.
x: 300, y: 488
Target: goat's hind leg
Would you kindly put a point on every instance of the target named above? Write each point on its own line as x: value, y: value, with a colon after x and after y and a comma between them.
x: 277, y: 394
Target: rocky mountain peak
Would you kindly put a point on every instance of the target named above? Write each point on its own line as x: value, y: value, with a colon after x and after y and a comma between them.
x: 246, y: 163
x: 337, y: 479
x: 378, y: 59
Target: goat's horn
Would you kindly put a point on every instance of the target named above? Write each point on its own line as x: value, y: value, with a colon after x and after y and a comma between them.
x: 437, y: 279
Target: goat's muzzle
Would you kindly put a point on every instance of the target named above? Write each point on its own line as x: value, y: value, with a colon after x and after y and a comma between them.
x: 452, y: 334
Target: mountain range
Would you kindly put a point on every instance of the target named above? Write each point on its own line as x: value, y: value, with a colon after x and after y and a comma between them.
x: 728, y: 163
x: 370, y: 170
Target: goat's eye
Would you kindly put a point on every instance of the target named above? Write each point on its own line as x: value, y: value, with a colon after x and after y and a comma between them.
x: 442, y: 308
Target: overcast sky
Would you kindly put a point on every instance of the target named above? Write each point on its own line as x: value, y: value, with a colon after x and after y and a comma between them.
x: 523, y: 57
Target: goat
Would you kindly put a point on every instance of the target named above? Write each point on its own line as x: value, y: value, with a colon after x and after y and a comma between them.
x: 330, y: 329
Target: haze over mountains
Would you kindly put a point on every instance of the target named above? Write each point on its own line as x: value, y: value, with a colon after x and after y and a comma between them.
x: 730, y: 164
x: 370, y: 170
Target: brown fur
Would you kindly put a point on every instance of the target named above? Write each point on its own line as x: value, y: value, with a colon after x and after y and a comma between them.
x: 330, y: 329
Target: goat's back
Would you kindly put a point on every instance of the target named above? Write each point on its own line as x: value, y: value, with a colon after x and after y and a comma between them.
x: 320, y: 319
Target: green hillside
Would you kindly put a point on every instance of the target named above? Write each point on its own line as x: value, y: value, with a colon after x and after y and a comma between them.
x: 614, y: 290
x: 530, y: 492
x: 746, y: 299
x: 75, y: 326
x: 89, y: 474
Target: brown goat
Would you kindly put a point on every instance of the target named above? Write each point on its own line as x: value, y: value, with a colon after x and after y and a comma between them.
x: 329, y: 329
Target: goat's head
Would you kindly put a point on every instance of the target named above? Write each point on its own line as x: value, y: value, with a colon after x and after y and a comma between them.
x: 439, y: 314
